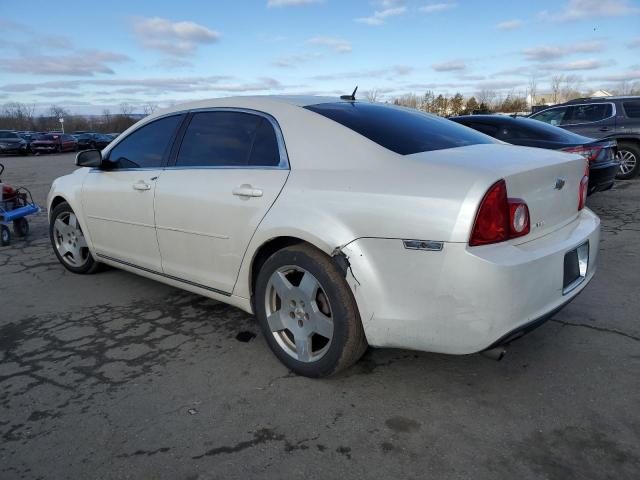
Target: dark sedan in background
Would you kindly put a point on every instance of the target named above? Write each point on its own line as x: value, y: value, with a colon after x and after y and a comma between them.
x: 92, y: 140
x: 525, y: 132
x: 11, y: 142
x: 54, y: 142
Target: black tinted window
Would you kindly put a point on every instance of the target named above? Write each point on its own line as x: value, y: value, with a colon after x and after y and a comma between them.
x: 400, y: 130
x: 228, y: 139
x: 265, y: 146
x: 490, y: 130
x: 588, y: 113
x: 147, y: 146
x: 632, y: 109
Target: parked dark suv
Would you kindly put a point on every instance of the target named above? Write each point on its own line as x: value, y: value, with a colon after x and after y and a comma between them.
x: 606, y: 117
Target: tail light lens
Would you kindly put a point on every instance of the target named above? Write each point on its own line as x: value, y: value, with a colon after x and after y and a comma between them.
x: 499, y: 218
x: 584, y: 188
x: 590, y: 153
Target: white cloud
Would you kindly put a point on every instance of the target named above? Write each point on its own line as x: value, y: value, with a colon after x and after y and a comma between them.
x: 389, y: 73
x: 437, y: 7
x: 590, y: 64
x: 509, y: 25
x: 390, y: 8
x: 83, y: 63
x: 174, y: 38
x: 337, y: 44
x: 290, y: 3
x: 295, y: 60
x: 451, y: 66
x: 581, y: 9
x: 544, y: 52
x: 628, y: 76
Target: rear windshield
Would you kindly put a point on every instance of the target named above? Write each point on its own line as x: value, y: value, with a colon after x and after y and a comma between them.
x: 401, y: 130
x: 538, y: 129
x: 47, y: 137
x: 5, y: 134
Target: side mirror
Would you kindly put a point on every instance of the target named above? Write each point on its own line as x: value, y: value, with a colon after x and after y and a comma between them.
x: 89, y: 158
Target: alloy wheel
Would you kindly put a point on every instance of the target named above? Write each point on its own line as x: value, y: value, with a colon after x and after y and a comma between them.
x: 298, y: 313
x: 69, y: 240
x: 627, y: 161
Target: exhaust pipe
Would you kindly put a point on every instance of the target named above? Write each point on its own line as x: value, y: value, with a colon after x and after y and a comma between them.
x: 496, y: 353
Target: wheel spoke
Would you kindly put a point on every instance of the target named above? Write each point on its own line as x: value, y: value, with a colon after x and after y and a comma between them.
x: 73, y: 221
x: 309, y: 285
x: 322, y: 324
x: 61, y: 227
x: 63, y: 249
x: 282, y: 285
x: 275, y: 321
x: 81, y: 242
x: 303, y: 348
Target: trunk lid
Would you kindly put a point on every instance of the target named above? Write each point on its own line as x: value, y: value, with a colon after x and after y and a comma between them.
x: 547, y: 180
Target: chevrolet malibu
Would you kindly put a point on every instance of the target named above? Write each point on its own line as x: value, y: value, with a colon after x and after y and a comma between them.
x: 338, y: 223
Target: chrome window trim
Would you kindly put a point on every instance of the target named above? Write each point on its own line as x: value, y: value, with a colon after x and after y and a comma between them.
x: 613, y: 107
x: 282, y: 148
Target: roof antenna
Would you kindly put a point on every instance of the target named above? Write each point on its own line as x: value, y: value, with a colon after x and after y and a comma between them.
x: 351, y: 97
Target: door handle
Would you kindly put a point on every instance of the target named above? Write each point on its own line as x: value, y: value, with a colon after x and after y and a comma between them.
x: 604, y: 129
x: 247, y: 191
x: 141, y: 186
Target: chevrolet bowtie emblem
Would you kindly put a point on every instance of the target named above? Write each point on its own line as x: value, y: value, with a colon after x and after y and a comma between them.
x: 559, y: 183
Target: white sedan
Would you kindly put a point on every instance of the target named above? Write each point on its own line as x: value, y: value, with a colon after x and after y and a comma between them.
x: 338, y: 223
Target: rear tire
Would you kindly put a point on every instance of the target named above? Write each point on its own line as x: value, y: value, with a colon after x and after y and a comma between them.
x: 307, y: 312
x: 21, y: 227
x: 68, y: 241
x: 629, y: 158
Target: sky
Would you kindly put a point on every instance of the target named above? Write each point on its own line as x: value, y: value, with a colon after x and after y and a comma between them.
x: 88, y: 56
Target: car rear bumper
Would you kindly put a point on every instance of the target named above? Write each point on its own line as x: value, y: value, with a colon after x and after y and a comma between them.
x: 602, y: 176
x: 464, y: 299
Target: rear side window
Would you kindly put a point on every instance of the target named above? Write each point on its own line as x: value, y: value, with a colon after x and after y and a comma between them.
x: 632, y: 109
x: 147, y: 146
x: 588, y: 113
x: 400, y: 130
x: 228, y: 139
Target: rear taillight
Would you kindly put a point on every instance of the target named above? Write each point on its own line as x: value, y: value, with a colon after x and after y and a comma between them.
x: 499, y: 218
x: 590, y: 153
x: 584, y: 188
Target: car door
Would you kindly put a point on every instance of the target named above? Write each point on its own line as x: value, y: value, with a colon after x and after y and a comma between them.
x: 118, y: 200
x: 628, y: 117
x: 595, y: 120
x: 229, y: 169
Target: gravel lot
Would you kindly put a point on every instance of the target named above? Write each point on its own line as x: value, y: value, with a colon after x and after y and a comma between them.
x: 116, y: 376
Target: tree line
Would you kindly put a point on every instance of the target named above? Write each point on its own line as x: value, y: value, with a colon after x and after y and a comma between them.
x: 22, y: 117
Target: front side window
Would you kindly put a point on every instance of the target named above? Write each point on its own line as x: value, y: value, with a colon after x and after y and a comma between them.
x: 228, y: 139
x: 147, y: 146
x: 401, y: 130
x: 553, y: 116
x: 588, y: 113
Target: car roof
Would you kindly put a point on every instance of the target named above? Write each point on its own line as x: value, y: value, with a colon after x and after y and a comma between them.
x: 258, y: 102
x: 601, y: 99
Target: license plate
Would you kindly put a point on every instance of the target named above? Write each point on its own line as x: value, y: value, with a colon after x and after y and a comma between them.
x: 576, y: 263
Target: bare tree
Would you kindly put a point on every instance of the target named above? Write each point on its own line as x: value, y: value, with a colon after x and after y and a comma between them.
x: 486, y: 98
x: 571, y: 87
x: 17, y: 116
x: 556, y: 84
x: 150, y: 107
x: 372, y: 95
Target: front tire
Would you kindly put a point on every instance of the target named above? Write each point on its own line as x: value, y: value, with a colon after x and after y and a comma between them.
x: 5, y: 236
x: 629, y: 158
x: 307, y: 312
x: 68, y: 241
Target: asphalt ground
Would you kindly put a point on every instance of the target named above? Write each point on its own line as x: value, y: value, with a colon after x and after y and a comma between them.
x: 116, y: 376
